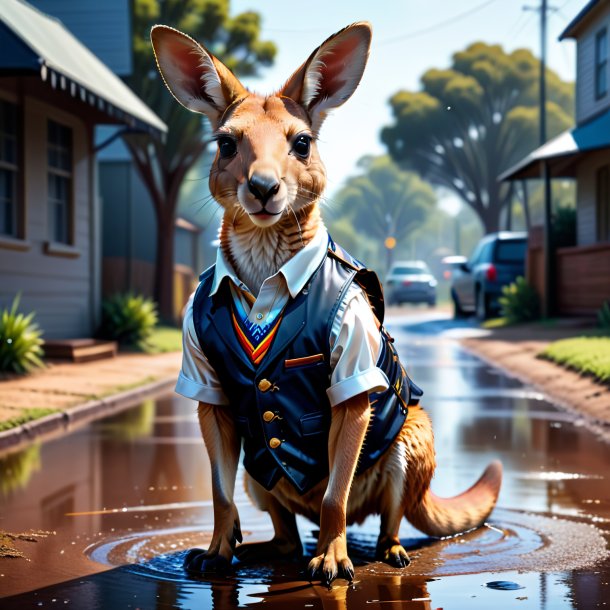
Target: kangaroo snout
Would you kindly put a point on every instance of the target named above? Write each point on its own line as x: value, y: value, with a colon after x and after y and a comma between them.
x: 263, y: 187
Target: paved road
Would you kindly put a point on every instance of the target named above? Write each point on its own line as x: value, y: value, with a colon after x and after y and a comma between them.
x: 112, y: 506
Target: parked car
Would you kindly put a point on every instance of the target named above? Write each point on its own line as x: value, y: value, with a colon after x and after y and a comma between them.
x: 410, y: 282
x: 496, y: 262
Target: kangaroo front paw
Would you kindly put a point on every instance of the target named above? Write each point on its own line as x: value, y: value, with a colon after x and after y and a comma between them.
x: 218, y: 557
x: 333, y: 563
x: 393, y: 553
x: 198, y: 561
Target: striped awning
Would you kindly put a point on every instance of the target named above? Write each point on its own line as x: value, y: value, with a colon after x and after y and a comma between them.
x: 35, y: 43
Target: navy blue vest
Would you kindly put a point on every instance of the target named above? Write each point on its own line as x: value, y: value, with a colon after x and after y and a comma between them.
x: 280, y: 407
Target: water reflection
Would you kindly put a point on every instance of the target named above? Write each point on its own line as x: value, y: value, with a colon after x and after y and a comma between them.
x: 144, y: 472
x: 17, y: 468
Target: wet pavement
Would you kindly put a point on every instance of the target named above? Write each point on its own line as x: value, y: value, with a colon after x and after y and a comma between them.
x: 102, y: 517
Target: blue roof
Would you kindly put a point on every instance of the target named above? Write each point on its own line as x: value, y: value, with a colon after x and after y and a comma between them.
x: 572, y: 27
x: 563, y: 151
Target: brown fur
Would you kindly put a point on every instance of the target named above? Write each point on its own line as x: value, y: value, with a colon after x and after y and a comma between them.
x: 264, y: 130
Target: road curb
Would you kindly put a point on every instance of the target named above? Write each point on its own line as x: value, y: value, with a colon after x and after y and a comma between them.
x: 64, y: 421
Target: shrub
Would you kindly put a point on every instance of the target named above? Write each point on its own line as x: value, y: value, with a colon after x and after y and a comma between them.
x: 128, y: 318
x: 603, y: 317
x: 519, y: 302
x: 20, y: 341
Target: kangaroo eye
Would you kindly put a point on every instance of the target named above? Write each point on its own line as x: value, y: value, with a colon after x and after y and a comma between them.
x: 301, y: 146
x: 227, y: 147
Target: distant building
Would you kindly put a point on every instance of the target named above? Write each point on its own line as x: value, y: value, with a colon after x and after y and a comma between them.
x: 53, y: 92
x: 582, y: 280
x: 128, y: 218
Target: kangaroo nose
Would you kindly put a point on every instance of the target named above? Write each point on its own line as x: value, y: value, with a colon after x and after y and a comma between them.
x: 263, y: 187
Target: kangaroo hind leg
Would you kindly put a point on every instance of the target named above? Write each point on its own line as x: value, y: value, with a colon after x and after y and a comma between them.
x: 286, y: 542
x: 392, y: 507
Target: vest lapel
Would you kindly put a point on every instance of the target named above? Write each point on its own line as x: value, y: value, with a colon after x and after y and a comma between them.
x: 223, y: 324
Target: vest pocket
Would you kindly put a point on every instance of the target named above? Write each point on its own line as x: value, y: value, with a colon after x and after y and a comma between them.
x: 292, y: 363
x: 313, y: 423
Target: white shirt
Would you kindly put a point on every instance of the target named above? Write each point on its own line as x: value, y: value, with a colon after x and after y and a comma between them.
x: 354, y: 338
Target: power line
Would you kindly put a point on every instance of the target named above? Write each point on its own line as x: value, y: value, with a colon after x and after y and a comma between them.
x: 437, y: 26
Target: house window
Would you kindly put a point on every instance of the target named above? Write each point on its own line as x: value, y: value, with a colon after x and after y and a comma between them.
x: 59, y: 162
x: 9, y: 171
x: 603, y: 203
x: 601, y: 64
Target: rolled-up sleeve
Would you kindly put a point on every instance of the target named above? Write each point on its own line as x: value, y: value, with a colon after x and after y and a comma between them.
x: 197, y: 379
x: 355, y: 342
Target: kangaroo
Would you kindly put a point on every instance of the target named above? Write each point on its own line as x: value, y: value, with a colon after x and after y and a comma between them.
x: 269, y: 178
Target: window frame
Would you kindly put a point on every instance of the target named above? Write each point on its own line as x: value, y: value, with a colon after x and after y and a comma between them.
x: 16, y: 239
x: 601, y: 64
x: 56, y: 242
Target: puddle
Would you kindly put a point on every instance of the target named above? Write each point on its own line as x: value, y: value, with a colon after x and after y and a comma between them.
x: 125, y: 497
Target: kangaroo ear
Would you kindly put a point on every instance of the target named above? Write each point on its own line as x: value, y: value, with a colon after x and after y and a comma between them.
x: 198, y: 80
x: 332, y: 72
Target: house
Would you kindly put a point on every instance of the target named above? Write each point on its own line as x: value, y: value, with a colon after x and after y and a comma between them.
x: 129, y: 225
x: 581, y: 273
x: 53, y: 92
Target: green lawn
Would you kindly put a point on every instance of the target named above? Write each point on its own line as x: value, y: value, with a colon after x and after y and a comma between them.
x: 589, y: 355
x: 164, y: 339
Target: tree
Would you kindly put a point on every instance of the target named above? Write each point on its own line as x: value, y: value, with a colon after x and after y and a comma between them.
x: 163, y: 165
x: 475, y: 120
x: 384, y: 202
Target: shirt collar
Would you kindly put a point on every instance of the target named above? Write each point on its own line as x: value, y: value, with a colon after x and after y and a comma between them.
x: 296, y: 271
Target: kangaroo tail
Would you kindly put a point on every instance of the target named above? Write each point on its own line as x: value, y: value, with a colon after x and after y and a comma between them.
x: 448, y: 516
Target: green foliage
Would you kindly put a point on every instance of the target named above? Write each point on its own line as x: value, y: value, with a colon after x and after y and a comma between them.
x: 384, y: 201
x: 589, y: 355
x: 519, y: 302
x: 20, y: 341
x: 128, y: 318
x: 472, y: 121
x: 603, y: 317
x: 563, y: 224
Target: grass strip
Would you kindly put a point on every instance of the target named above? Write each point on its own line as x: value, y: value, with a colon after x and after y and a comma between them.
x: 587, y: 355
x: 27, y: 415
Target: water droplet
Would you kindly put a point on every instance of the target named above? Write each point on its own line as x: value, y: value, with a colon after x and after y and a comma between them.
x: 504, y: 585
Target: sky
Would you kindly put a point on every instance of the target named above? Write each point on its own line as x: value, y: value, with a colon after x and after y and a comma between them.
x: 409, y: 37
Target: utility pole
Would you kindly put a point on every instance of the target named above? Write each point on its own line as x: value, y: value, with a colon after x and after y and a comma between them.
x: 549, y: 268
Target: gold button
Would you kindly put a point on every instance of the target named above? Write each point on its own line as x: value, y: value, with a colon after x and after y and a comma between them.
x: 268, y: 416
x: 264, y: 385
x: 274, y: 443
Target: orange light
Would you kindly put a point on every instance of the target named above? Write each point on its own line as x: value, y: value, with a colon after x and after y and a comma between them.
x: 390, y: 243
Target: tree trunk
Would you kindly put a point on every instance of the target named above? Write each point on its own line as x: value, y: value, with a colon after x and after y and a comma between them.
x: 164, y: 267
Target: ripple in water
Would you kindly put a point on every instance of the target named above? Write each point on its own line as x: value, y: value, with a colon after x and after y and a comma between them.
x: 514, y: 541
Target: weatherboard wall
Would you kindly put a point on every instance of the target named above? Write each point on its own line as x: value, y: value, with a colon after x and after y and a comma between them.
x: 55, y: 282
x: 587, y: 105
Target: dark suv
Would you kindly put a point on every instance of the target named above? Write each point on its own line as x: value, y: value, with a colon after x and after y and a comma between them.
x: 496, y: 262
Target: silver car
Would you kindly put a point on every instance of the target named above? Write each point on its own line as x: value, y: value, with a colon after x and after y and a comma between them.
x: 410, y: 282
